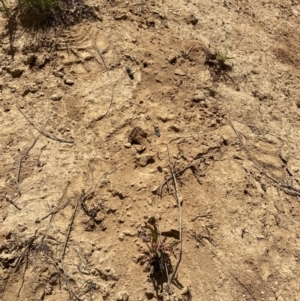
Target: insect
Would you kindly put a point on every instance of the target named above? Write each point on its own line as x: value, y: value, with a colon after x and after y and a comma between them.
x: 157, y: 132
x: 129, y: 72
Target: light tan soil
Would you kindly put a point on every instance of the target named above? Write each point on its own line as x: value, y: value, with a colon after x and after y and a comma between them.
x: 238, y: 128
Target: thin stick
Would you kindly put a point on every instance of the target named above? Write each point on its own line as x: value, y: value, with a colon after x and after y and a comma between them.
x: 188, y: 52
x: 42, y: 130
x: 29, y: 245
x: 180, y: 217
x: 69, y: 230
x: 13, y: 203
x: 24, y: 156
x: 71, y: 293
x: 176, y: 174
x: 178, y: 138
x: 58, y: 208
x: 286, y: 188
x: 201, y: 216
x: 111, y: 84
x: 23, y: 277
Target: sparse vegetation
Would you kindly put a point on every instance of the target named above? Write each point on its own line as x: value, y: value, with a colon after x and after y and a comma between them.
x: 157, y: 255
x: 37, y: 5
x: 4, y: 8
x: 216, y: 60
x: 222, y: 56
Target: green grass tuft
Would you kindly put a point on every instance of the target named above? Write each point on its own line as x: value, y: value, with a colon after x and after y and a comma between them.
x: 38, y: 5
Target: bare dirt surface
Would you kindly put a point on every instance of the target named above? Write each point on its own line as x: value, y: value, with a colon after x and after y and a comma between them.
x: 84, y: 151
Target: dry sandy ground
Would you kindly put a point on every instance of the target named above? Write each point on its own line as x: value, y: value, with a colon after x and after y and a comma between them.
x: 81, y: 163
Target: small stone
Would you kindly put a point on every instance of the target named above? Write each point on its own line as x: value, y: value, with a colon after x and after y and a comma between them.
x: 122, y: 296
x: 203, y: 149
x: 121, y: 236
x: 144, y: 160
x: 214, y: 108
x: 127, y: 145
x: 58, y: 74
x: 60, y: 68
x: 298, y: 104
x: 69, y: 82
x: 16, y: 72
x: 179, y: 72
x: 149, y: 295
x: 155, y: 189
x: 140, y: 148
x: 13, y: 89
x: 127, y: 232
x: 199, y: 97
x: 6, y: 107
x: 55, y: 97
x: 172, y: 59
x: 29, y: 89
x: 174, y: 128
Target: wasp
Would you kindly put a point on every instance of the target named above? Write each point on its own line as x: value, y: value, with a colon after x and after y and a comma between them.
x: 156, y: 130
x: 129, y: 72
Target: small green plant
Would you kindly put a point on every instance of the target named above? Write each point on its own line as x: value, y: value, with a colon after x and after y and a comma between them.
x: 38, y: 5
x: 222, y: 56
x: 4, y: 9
x: 216, y: 60
x: 157, y: 255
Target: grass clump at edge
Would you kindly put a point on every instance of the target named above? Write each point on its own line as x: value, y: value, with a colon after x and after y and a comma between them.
x: 4, y: 8
x: 38, y: 5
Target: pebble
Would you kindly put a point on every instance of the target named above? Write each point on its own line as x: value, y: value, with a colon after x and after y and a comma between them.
x: 55, y: 97
x: 144, y: 160
x: 127, y: 145
x: 198, y: 97
x: 58, y: 74
x: 203, y: 149
x: 122, y: 296
x: 121, y: 236
x: 69, y: 82
x: 149, y: 295
x: 127, y: 232
x: 172, y: 59
x: 29, y: 89
x: 155, y: 189
x: 16, y: 72
x: 179, y: 72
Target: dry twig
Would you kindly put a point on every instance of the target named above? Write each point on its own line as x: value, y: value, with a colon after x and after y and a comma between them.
x: 58, y: 208
x: 69, y: 229
x: 41, y: 131
x: 71, y: 293
x: 180, y: 218
x: 23, y: 157
x: 286, y: 188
